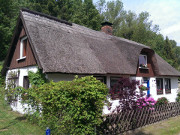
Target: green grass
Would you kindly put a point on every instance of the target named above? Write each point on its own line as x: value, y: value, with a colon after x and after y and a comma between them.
x: 13, y: 123
x: 170, y: 126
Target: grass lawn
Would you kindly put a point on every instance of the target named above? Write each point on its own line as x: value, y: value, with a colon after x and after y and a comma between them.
x: 13, y: 123
x: 170, y: 126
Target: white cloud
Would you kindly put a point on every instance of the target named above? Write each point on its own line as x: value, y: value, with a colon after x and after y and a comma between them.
x: 171, y: 29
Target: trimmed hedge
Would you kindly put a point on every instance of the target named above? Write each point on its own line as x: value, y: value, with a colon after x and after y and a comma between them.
x: 68, y: 107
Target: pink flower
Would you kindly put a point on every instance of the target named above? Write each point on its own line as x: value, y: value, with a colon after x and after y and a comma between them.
x: 152, y: 103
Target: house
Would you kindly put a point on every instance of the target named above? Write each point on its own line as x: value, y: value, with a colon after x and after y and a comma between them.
x: 63, y: 50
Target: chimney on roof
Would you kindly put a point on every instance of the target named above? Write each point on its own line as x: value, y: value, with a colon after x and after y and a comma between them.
x: 107, y: 28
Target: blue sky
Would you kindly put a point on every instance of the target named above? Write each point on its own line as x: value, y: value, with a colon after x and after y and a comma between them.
x: 165, y: 13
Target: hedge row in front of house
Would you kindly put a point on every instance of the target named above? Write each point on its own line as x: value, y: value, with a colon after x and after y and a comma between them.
x: 68, y: 107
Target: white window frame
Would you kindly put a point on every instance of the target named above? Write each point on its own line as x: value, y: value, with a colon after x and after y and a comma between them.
x: 22, y: 48
x: 146, y: 60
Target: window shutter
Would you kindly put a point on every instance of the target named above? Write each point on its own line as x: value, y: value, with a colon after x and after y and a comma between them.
x: 24, y: 47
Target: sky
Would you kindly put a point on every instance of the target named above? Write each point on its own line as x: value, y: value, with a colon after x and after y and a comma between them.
x: 165, y: 13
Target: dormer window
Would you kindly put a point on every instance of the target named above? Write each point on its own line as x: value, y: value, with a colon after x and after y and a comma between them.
x: 23, y: 48
x: 142, y: 61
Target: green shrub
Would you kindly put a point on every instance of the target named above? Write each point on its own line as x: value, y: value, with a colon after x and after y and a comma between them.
x: 162, y: 101
x: 69, y: 107
x: 2, y: 79
x: 37, y: 79
x: 178, y: 97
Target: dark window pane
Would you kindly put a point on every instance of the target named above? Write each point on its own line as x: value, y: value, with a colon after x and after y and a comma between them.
x: 167, y: 85
x: 26, y: 82
x: 101, y: 78
x: 24, y: 47
x: 159, y: 85
x: 114, y: 81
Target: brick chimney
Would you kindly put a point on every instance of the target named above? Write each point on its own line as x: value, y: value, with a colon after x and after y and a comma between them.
x: 107, y: 28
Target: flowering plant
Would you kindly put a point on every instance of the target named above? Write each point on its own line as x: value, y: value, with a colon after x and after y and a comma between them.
x: 146, y: 102
x: 162, y: 101
x: 142, y: 87
x: 143, y: 65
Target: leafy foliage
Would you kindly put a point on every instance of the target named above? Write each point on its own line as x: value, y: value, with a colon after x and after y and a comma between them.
x: 143, y: 88
x: 76, y: 103
x: 37, y: 79
x: 2, y: 79
x: 162, y: 101
x: 178, y: 97
x: 125, y: 91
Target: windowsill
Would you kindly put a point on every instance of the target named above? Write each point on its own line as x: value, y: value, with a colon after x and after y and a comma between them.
x: 21, y: 58
x: 143, y: 68
x: 168, y: 91
x: 159, y: 94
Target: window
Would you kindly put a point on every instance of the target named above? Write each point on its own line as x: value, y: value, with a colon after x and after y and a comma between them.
x: 113, y: 85
x: 12, y: 83
x: 101, y: 78
x: 142, y: 61
x: 113, y: 81
x: 167, y: 85
x: 23, y: 48
x: 26, y: 82
x: 159, y: 85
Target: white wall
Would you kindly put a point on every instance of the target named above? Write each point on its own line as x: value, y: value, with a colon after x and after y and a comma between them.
x: 22, y: 72
x: 153, y: 91
x: 16, y: 105
x: 174, y: 89
x: 68, y: 77
x: 60, y: 77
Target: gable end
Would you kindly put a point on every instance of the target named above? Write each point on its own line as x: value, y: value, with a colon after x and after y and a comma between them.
x: 27, y: 58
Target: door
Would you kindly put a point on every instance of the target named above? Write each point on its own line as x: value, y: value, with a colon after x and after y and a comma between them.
x: 147, y: 82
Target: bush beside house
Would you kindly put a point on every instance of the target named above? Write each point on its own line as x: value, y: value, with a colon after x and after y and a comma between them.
x: 68, y: 107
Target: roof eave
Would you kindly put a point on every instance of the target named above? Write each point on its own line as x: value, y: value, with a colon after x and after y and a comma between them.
x: 31, y: 44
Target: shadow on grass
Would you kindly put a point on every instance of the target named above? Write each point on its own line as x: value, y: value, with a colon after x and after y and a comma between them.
x: 21, y: 118
x: 141, y: 133
x: 13, y: 122
x: 137, y: 132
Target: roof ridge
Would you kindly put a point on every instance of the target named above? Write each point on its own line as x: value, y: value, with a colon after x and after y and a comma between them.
x: 134, y: 42
x: 47, y: 16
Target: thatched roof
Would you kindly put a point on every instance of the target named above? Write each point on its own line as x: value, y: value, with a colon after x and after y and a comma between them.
x: 65, y: 47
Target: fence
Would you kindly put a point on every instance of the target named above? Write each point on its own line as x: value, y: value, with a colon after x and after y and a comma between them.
x: 128, y: 120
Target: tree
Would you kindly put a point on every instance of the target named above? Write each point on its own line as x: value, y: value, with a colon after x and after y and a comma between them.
x: 169, y: 54
x: 126, y: 28
x: 113, y: 13
x: 7, y: 13
x: 125, y: 91
x: 91, y: 17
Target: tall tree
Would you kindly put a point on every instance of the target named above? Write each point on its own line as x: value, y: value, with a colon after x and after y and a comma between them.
x: 113, y: 13
x: 169, y: 53
x: 7, y: 14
